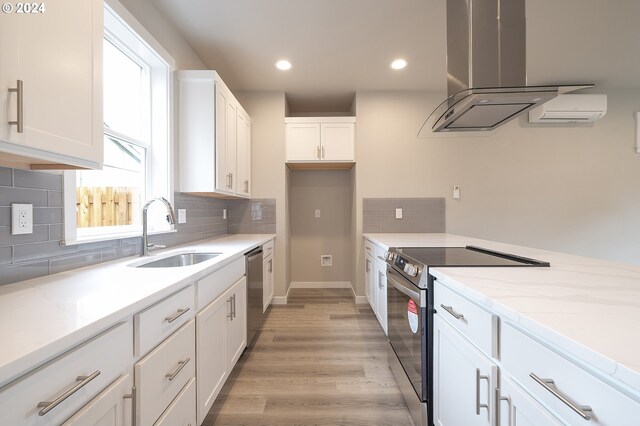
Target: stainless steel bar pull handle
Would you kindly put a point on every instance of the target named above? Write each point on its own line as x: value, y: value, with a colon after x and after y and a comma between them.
x: 323, y: 152
x: 270, y: 265
x: 246, y: 185
x: 177, y: 315
x: 235, y: 313
x: 230, y: 314
x: 177, y: 371
x: 318, y: 152
x: 478, y: 378
x: 134, y: 398
x: 231, y: 180
x: 582, y: 410
x: 19, y: 90
x: 451, y: 311
x: 499, y: 399
x: 82, y: 382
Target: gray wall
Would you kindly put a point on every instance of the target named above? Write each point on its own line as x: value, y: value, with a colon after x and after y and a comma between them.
x: 330, y: 234
x: 255, y: 216
x: 571, y: 188
x: 418, y: 215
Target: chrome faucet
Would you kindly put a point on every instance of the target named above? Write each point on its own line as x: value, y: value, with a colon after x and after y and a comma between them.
x: 171, y: 218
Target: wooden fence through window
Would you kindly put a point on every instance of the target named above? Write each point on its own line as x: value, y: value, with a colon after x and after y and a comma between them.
x: 107, y: 206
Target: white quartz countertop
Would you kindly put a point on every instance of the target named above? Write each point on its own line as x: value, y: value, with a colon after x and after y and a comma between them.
x: 43, y: 317
x: 587, y: 307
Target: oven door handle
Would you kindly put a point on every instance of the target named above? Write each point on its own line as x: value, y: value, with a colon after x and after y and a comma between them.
x: 412, y: 294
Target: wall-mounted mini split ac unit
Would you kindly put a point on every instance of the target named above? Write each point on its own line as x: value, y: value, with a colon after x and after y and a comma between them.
x: 570, y: 109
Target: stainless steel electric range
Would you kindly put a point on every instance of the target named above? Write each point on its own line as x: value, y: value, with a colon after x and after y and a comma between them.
x: 410, y: 313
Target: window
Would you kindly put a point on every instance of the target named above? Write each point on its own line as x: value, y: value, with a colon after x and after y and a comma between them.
x: 106, y: 204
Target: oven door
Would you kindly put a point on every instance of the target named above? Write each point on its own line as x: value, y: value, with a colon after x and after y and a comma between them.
x: 407, y: 327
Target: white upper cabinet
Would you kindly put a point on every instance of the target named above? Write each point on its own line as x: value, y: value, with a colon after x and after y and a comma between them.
x: 215, y: 137
x: 57, y: 57
x: 322, y: 141
x: 243, y: 137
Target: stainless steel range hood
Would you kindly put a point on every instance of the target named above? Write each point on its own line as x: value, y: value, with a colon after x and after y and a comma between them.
x: 486, y: 68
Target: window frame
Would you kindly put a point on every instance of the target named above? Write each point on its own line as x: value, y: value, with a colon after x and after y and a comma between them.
x: 135, y: 42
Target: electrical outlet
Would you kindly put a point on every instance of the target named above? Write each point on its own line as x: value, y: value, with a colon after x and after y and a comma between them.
x: 398, y: 213
x: 326, y: 260
x: 456, y: 192
x: 224, y: 213
x: 182, y: 215
x: 21, y: 219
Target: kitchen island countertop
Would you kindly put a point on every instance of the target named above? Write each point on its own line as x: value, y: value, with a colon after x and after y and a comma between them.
x: 588, y: 307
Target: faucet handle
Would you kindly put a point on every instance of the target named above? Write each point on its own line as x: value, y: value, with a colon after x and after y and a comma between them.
x: 157, y: 246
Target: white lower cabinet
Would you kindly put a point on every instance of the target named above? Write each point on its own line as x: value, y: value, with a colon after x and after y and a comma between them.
x: 221, y: 336
x: 464, y: 380
x: 381, y: 296
x: 162, y: 374
x: 518, y: 408
x: 376, y: 281
x: 182, y: 411
x: 52, y: 393
x: 111, y: 408
x: 267, y: 282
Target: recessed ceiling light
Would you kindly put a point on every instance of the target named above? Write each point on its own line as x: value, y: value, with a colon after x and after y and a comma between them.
x: 283, y: 65
x: 398, y: 64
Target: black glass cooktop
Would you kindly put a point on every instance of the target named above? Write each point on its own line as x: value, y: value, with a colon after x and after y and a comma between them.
x: 465, y: 256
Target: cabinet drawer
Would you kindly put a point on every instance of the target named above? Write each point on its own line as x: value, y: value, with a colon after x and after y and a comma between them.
x: 212, y: 286
x: 81, y: 373
x: 369, y: 248
x: 471, y: 320
x: 182, y: 411
x: 164, y: 372
x: 523, y: 357
x: 267, y: 248
x: 156, y: 323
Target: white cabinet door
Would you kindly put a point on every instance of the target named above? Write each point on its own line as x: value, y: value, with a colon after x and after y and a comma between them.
x: 109, y: 408
x: 58, y: 57
x: 369, y: 275
x: 464, y: 380
x: 303, y: 141
x: 518, y: 408
x: 225, y: 117
x: 381, y: 296
x: 243, y: 182
x: 211, y: 351
x: 337, y: 141
x: 267, y: 280
x: 237, y: 323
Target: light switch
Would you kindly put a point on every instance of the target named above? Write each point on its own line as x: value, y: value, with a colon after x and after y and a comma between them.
x: 317, y: 213
x: 21, y: 219
x: 224, y: 213
x: 398, y: 213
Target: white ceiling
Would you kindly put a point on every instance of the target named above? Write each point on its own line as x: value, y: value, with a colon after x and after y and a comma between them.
x: 338, y: 47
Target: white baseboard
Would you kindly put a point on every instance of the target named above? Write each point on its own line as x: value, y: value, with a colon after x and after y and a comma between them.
x: 361, y: 300
x: 281, y: 300
x: 321, y: 284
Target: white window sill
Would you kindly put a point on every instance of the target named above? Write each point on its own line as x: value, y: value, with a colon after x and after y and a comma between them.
x: 115, y: 236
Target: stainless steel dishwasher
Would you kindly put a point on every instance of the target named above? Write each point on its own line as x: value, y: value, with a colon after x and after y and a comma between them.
x: 255, y: 316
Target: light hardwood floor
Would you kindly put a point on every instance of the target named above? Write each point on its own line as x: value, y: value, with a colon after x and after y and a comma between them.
x: 319, y: 360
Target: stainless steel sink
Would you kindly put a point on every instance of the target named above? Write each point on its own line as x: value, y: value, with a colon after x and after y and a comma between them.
x: 179, y: 260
